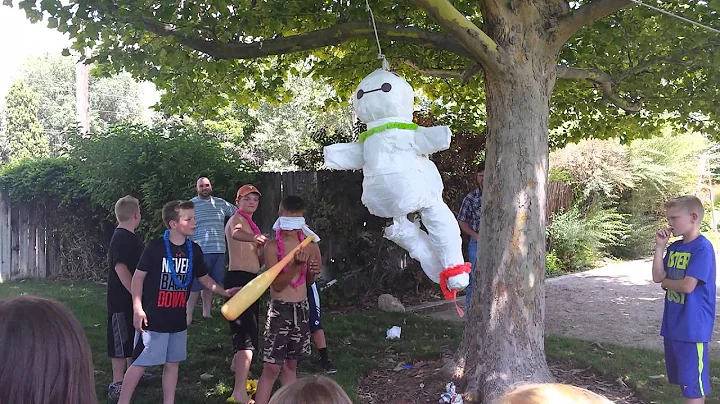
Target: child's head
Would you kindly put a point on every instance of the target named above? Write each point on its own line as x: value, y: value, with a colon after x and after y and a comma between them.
x: 293, y: 206
x: 127, y: 209
x: 311, y: 390
x: 179, y: 216
x: 248, y: 198
x: 684, y: 214
x: 555, y: 393
x: 44, y: 352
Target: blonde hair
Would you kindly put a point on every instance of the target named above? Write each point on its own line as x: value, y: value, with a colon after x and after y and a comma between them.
x: 126, y: 207
x: 311, y: 390
x: 555, y: 393
x: 689, y: 202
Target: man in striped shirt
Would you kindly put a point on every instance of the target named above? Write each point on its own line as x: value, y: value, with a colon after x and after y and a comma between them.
x: 210, y: 215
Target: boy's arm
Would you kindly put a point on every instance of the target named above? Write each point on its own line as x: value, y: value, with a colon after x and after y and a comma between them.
x: 314, y: 261
x: 209, y: 283
x: 684, y: 285
x: 124, y: 275
x: 284, y: 278
x: 658, y: 268
x: 136, y: 289
x: 697, y: 269
x: 238, y: 233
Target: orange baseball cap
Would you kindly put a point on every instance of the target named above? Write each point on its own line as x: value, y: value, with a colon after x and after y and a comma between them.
x: 247, y: 189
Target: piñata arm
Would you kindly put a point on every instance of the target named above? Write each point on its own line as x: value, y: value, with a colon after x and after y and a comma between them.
x: 432, y: 139
x: 344, y: 156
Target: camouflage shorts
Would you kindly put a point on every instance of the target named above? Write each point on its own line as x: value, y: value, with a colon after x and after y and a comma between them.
x: 287, y: 331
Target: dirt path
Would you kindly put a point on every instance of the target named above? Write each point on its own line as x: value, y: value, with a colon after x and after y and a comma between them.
x: 618, y: 303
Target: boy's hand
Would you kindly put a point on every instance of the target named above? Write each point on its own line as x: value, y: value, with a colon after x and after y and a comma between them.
x: 139, y: 320
x: 231, y: 292
x: 314, y: 267
x: 301, y: 256
x: 662, y: 237
x: 260, y: 239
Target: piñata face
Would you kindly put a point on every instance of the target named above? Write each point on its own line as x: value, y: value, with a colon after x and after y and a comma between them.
x: 382, y: 95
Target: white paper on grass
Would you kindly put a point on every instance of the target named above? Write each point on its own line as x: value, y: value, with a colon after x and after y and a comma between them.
x: 399, y: 178
x: 393, y: 333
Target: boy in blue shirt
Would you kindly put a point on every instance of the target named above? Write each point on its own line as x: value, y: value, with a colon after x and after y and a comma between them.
x: 687, y: 274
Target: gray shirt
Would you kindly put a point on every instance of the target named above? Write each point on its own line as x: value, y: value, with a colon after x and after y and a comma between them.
x: 210, y: 216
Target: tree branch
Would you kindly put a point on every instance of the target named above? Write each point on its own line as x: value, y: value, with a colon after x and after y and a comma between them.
x: 587, y: 14
x: 332, y: 36
x: 480, y: 46
x: 441, y: 73
x: 463, y: 76
x: 602, y: 80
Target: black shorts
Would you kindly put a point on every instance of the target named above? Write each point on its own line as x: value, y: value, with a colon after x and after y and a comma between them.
x: 246, y: 328
x: 314, y: 302
x: 120, y: 334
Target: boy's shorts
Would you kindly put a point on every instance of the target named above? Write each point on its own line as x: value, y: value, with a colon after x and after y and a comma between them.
x: 156, y: 348
x: 287, y: 334
x: 246, y: 328
x: 216, y: 269
x: 120, y: 332
x: 314, y: 302
x: 688, y: 365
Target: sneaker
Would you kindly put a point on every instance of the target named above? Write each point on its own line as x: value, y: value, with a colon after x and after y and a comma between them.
x: 147, y: 376
x: 329, y: 367
x: 114, y: 390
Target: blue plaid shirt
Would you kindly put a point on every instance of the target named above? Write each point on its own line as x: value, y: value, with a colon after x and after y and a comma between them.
x: 470, y: 210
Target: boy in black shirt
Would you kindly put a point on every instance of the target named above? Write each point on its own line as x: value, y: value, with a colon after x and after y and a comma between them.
x: 124, y: 253
x: 159, y: 293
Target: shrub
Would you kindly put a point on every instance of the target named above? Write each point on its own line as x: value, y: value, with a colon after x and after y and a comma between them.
x: 578, y: 240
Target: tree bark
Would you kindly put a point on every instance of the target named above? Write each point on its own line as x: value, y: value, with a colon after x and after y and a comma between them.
x: 503, y: 338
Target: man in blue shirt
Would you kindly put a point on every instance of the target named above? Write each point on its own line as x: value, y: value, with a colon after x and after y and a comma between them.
x: 210, y: 215
x: 469, y: 220
x: 687, y: 274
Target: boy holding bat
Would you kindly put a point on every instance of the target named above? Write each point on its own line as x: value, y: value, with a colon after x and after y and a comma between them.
x: 287, y: 330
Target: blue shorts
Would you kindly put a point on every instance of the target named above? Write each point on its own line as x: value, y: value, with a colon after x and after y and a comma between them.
x: 314, y: 301
x: 216, y: 269
x: 157, y: 348
x: 688, y: 365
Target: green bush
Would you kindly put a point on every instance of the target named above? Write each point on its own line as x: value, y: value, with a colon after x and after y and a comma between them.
x: 156, y: 166
x: 638, y: 240
x: 78, y: 192
x: 553, y: 266
x: 579, y: 240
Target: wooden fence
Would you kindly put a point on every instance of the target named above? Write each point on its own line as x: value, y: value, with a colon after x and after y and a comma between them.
x: 28, y: 248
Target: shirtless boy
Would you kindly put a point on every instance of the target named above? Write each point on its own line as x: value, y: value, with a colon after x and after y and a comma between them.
x: 245, y: 243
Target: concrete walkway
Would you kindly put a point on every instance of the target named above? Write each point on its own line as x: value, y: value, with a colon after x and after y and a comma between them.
x: 618, y: 303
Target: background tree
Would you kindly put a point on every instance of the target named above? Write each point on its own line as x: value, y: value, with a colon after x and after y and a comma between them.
x: 618, y: 73
x: 113, y: 99
x: 23, y: 134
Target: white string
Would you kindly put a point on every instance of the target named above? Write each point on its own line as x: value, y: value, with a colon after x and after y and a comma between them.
x: 385, y: 64
x: 677, y: 16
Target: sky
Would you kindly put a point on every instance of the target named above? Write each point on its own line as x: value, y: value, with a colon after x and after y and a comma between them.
x: 20, y: 39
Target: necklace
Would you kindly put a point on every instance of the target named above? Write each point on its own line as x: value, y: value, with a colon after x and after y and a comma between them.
x: 247, y: 217
x: 171, y: 263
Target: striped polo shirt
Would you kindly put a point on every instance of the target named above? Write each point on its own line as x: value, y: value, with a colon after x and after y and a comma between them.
x: 210, y: 216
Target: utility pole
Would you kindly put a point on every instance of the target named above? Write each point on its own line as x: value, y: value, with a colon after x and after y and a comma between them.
x: 82, y: 95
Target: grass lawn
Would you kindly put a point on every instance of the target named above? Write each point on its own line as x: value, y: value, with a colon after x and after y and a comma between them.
x: 357, y: 343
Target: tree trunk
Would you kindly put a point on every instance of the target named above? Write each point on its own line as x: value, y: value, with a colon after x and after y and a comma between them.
x: 503, y: 338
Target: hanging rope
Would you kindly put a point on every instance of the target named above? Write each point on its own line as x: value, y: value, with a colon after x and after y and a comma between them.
x: 385, y: 64
x: 675, y: 16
